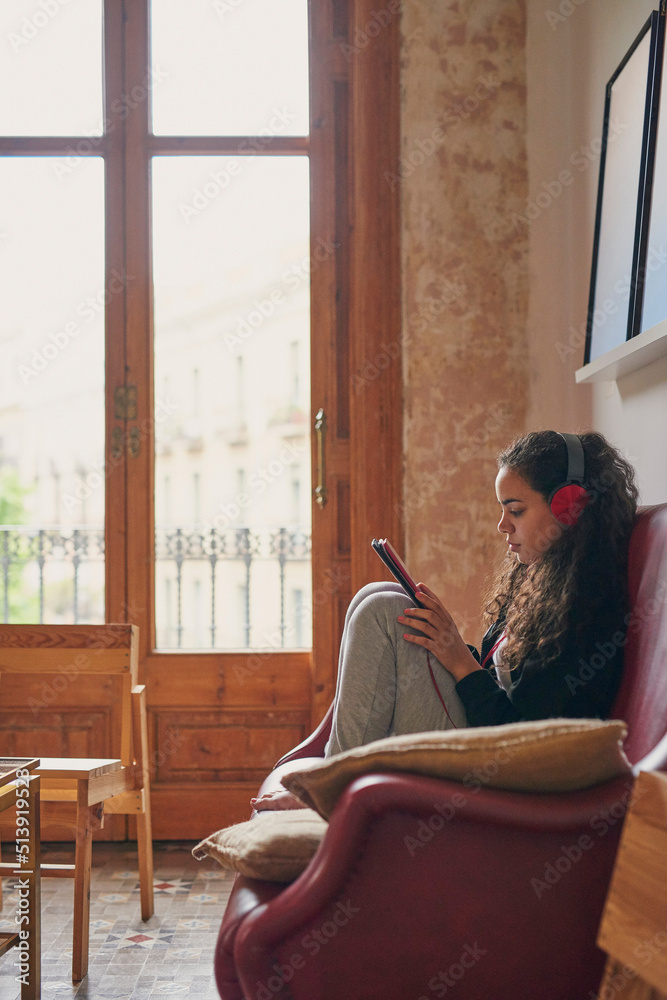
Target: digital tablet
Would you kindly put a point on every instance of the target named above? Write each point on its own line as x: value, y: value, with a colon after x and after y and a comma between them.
x: 392, y: 561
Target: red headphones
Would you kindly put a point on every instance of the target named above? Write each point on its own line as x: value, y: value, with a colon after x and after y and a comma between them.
x: 569, y: 499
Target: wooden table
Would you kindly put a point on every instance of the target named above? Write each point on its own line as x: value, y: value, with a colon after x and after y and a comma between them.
x: 633, y: 931
x: 87, y: 782
x: 19, y: 787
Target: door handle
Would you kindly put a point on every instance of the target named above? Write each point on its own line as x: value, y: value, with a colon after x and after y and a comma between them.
x: 320, y: 430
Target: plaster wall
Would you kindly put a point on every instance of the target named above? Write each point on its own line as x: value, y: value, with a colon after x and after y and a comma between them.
x: 465, y: 283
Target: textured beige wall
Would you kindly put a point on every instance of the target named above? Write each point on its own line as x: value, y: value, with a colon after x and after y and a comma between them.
x: 465, y: 283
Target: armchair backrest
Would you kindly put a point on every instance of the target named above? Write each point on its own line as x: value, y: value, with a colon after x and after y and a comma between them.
x: 642, y: 698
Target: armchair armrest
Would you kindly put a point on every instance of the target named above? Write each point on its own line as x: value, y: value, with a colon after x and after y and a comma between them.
x: 273, y: 780
x: 313, y: 745
x: 246, y: 895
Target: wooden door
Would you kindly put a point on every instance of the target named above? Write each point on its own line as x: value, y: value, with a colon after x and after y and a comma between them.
x: 219, y: 717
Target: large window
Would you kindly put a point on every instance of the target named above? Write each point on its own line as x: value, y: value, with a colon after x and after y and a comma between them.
x: 201, y: 158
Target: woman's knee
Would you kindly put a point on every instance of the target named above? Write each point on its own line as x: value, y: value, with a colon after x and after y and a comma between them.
x: 370, y: 590
x: 378, y: 587
x: 381, y: 604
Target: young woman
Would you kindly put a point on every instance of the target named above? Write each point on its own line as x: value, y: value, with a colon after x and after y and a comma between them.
x: 558, y: 604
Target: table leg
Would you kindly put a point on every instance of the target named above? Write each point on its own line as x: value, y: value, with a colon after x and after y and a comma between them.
x: 85, y: 821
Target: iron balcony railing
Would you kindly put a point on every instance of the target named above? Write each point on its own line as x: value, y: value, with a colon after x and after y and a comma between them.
x: 57, y: 574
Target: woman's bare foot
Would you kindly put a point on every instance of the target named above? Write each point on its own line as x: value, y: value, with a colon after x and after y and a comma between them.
x: 279, y: 799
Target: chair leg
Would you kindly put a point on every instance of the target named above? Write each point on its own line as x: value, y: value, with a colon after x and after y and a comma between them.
x: 85, y: 821
x: 145, y: 851
x: 144, y: 826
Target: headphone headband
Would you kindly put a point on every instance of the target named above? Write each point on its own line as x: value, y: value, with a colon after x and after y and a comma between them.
x: 576, y: 462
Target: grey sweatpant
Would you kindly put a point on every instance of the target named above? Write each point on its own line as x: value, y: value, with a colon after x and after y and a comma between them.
x: 384, y: 686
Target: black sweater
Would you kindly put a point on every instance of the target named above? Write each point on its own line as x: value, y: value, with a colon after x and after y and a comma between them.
x: 581, y: 683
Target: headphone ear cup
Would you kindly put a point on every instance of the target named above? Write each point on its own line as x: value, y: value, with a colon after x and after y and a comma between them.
x: 568, y: 502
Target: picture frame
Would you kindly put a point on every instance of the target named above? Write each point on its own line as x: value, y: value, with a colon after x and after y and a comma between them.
x: 651, y: 307
x: 626, y: 233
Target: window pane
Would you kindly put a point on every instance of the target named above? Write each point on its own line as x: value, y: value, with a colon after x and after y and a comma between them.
x: 230, y: 67
x: 232, y: 362
x: 52, y: 480
x: 51, y: 67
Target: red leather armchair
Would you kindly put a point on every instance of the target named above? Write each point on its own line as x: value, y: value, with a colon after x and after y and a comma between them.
x: 424, y: 887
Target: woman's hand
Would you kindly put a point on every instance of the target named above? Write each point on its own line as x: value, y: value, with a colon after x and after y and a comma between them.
x: 440, y: 635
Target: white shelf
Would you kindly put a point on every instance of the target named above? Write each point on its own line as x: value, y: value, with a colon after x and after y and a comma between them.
x: 642, y: 350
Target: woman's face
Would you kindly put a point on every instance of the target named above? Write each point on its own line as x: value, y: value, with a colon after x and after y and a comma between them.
x: 526, y: 517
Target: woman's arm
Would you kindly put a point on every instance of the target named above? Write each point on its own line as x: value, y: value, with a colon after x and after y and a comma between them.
x: 577, y: 685
x: 573, y: 686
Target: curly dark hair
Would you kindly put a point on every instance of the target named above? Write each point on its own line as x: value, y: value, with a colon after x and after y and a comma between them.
x: 581, y: 578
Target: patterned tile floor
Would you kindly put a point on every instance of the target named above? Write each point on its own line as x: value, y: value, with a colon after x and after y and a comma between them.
x: 171, y: 955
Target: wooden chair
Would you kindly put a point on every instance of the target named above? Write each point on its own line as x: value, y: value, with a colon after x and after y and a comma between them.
x: 98, y: 786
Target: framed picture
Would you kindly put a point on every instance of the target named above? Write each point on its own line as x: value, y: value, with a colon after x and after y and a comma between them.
x: 627, y: 235
x: 651, y: 307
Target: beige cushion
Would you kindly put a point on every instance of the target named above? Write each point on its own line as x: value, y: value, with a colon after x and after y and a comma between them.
x: 274, y: 845
x: 552, y: 755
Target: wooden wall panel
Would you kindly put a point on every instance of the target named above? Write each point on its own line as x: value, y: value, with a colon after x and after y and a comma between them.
x: 223, y: 746
x: 206, y: 766
x: 263, y: 678
x: 199, y: 808
x: 220, y: 732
